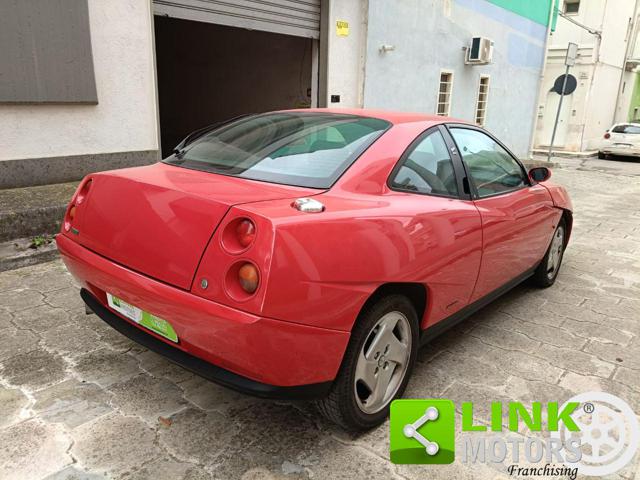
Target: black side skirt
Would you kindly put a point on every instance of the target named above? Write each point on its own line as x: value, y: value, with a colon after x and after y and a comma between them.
x: 200, y: 367
x: 442, y: 326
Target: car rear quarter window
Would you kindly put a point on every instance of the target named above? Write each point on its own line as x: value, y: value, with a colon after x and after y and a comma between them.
x: 294, y: 148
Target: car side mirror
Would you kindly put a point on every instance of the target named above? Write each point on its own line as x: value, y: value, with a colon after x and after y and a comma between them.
x: 539, y: 174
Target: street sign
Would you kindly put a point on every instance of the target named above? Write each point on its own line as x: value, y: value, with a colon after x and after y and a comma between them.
x: 569, y: 87
x: 572, y: 53
x: 569, y: 61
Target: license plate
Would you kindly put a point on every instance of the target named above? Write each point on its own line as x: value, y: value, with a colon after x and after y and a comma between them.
x: 146, y: 319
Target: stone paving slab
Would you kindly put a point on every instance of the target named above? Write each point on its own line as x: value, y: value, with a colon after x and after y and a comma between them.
x: 79, y: 401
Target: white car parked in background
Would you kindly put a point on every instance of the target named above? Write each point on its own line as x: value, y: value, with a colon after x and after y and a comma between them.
x: 621, y: 139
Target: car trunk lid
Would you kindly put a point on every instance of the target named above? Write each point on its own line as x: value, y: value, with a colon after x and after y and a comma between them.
x: 158, y: 219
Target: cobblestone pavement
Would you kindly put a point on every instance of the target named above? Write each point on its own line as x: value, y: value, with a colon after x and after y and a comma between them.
x: 78, y: 400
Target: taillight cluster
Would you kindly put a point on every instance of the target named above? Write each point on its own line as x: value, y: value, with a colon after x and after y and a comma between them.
x: 77, y: 199
x: 243, y: 277
x: 607, y: 135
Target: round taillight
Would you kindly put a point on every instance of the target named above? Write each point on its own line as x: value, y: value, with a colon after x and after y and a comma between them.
x: 72, y: 212
x: 246, y: 232
x: 238, y: 235
x: 607, y: 135
x: 248, y: 277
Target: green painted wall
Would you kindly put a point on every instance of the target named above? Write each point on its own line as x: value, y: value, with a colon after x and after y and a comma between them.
x: 635, y: 98
x: 535, y: 10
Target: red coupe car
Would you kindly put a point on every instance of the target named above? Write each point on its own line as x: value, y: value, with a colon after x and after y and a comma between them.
x: 309, y: 253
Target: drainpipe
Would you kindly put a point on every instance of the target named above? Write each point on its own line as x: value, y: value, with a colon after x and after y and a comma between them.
x: 552, y: 7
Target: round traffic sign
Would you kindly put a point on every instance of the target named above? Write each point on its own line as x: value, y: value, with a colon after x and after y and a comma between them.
x: 572, y: 83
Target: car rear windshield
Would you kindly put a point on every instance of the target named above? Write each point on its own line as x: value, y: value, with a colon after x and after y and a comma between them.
x: 304, y: 149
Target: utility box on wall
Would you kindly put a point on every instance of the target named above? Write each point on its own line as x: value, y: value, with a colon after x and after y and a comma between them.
x: 480, y: 52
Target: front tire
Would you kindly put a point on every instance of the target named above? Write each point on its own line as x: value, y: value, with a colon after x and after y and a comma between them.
x: 376, y: 366
x: 547, y: 272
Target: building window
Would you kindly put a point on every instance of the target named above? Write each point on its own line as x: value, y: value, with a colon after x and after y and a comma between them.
x: 444, y: 93
x: 571, y: 6
x: 481, y: 104
x: 45, y: 53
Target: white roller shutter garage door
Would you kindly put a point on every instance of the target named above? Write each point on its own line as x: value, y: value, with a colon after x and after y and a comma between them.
x: 289, y: 17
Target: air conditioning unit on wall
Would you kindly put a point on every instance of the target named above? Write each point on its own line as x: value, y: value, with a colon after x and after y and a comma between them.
x: 479, y: 52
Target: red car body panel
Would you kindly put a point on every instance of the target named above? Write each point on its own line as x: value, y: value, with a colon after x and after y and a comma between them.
x: 263, y: 349
x: 559, y: 195
x: 517, y: 229
x: 158, y: 219
x: 323, y: 268
x: 152, y: 235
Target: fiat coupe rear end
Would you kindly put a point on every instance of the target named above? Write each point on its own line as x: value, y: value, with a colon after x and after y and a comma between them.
x: 308, y: 254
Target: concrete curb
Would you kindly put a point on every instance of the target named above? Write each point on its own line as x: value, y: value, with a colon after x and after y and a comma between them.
x: 16, y: 254
x: 45, y: 220
x: 560, y: 153
x: 30, y: 211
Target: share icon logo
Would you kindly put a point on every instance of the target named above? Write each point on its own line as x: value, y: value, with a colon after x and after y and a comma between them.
x: 422, y: 431
x: 410, y: 430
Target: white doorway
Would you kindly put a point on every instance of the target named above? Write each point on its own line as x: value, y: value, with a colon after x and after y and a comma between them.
x: 551, y: 109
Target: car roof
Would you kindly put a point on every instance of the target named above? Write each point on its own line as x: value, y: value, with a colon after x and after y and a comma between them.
x: 394, y: 117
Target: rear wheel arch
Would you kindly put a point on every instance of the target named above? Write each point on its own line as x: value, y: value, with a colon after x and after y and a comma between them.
x: 342, y: 405
x: 415, y: 292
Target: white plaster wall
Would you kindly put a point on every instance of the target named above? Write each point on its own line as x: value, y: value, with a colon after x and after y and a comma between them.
x: 583, y: 71
x: 601, y: 106
x: 598, y: 70
x: 125, y: 117
x: 345, y: 65
x: 626, y: 93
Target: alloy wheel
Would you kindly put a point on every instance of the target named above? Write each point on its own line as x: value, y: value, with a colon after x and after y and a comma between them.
x: 555, y: 253
x: 382, y: 362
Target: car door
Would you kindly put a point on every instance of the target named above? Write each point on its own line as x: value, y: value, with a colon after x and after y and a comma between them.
x: 444, y: 238
x: 630, y: 137
x: 618, y: 136
x: 518, y: 217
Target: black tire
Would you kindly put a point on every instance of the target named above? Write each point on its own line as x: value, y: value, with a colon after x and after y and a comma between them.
x: 602, y: 155
x: 340, y: 405
x: 542, y: 277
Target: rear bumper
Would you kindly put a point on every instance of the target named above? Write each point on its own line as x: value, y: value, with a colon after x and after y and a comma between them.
x: 197, y: 365
x: 622, y: 151
x: 256, y: 355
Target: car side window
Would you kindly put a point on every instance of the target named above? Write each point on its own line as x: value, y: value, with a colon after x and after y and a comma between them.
x: 491, y: 168
x: 427, y: 168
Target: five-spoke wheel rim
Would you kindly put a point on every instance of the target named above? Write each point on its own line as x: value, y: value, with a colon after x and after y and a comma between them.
x: 555, y: 253
x: 382, y: 362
